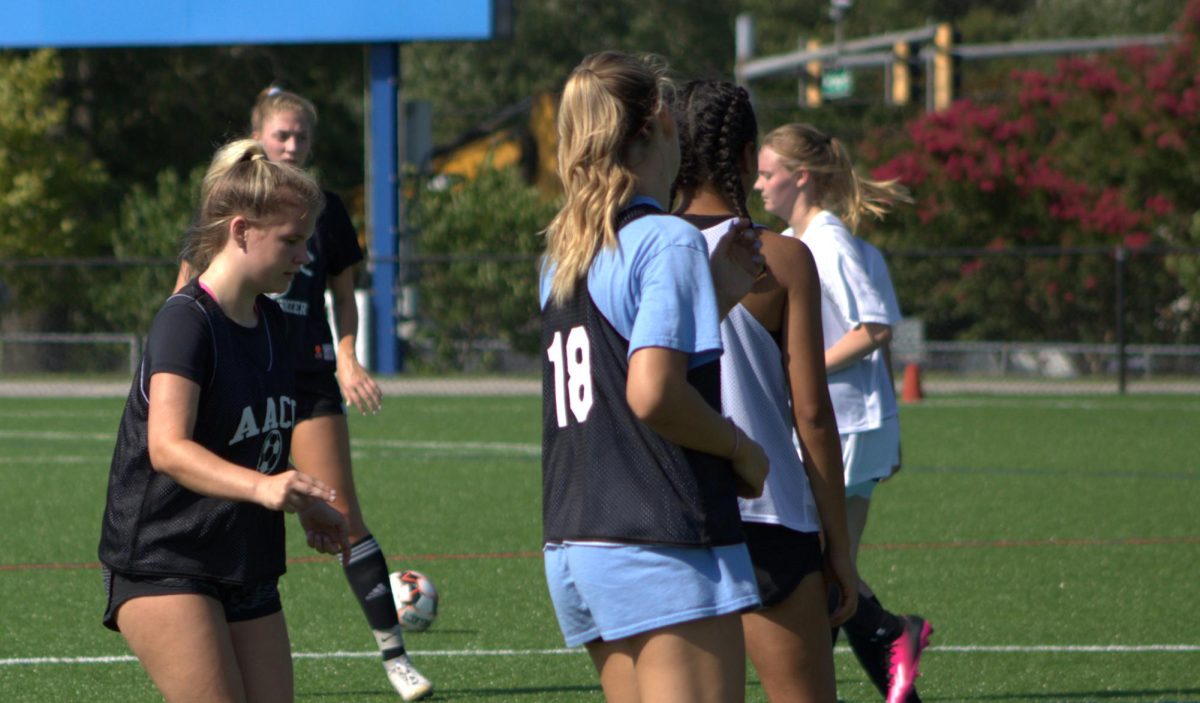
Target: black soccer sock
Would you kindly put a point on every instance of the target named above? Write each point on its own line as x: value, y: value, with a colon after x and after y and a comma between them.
x: 870, y: 632
x: 872, y: 622
x: 367, y: 573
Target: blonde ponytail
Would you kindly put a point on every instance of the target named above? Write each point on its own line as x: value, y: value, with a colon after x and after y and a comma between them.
x: 837, y: 186
x: 608, y: 101
x: 241, y: 180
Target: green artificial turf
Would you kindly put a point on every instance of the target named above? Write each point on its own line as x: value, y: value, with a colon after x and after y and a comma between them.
x: 1052, y: 541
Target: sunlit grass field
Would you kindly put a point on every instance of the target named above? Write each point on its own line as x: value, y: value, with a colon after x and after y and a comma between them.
x: 1053, y: 541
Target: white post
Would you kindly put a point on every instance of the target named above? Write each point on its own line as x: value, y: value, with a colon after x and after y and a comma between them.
x: 744, y: 43
x: 362, y: 341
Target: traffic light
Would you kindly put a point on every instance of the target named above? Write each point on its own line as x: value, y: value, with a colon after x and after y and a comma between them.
x: 946, y: 67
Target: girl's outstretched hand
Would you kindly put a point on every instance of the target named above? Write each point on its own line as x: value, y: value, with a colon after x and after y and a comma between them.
x: 291, y: 491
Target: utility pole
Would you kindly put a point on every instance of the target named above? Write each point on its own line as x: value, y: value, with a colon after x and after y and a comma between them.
x: 837, y: 10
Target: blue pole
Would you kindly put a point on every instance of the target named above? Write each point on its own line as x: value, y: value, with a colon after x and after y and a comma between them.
x: 384, y: 153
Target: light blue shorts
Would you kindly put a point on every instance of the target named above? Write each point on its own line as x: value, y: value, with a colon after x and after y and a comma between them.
x: 613, y: 591
x: 862, y: 489
x: 870, y: 456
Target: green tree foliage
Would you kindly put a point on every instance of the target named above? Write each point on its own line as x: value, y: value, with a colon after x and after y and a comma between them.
x: 82, y: 131
x: 1094, y: 154
x: 96, y: 148
x: 49, y: 186
x: 469, y: 81
x: 143, y: 110
x: 152, y: 223
x: 478, y: 283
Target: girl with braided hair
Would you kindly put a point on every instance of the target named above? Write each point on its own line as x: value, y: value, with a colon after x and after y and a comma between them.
x: 773, y: 384
x: 644, y: 554
x: 807, y: 178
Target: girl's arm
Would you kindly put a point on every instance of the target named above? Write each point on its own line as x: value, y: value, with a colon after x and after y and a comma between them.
x: 358, y: 387
x: 174, y: 401
x: 857, y: 344
x: 659, y: 394
x: 816, y: 425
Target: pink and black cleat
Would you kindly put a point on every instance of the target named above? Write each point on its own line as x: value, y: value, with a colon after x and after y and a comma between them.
x: 905, y: 657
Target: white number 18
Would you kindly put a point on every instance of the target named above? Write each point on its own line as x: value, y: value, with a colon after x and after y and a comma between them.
x: 577, y: 384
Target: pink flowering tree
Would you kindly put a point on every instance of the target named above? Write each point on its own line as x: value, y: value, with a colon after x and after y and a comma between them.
x: 1098, y: 154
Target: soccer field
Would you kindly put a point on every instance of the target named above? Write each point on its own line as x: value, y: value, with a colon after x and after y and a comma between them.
x: 1053, y: 542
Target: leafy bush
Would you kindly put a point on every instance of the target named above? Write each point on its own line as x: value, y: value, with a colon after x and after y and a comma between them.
x: 149, y: 236
x: 478, y: 282
x: 50, y: 189
x: 1095, y: 154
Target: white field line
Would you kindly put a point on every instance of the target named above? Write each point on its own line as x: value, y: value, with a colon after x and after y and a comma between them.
x: 946, y: 649
x: 55, y: 459
x: 462, y: 653
x: 55, y: 414
x: 54, y: 435
x: 499, y: 447
x: 1127, y: 405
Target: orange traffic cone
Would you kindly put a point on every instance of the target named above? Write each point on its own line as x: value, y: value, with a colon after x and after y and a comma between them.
x: 912, y: 384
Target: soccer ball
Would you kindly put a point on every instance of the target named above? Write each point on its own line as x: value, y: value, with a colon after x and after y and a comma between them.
x: 416, y: 600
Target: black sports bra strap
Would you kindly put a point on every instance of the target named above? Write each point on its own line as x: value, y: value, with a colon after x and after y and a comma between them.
x: 636, y: 212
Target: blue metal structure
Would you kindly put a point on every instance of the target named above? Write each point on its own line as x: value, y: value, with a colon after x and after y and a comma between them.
x: 384, y: 63
x: 26, y: 24
x: 98, y: 23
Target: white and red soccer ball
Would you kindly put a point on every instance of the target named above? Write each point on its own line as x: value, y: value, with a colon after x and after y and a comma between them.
x: 416, y: 600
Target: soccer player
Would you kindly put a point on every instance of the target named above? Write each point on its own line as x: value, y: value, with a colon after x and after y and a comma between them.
x: 328, y: 370
x: 192, y: 541
x: 807, y: 178
x: 644, y: 553
x: 773, y: 384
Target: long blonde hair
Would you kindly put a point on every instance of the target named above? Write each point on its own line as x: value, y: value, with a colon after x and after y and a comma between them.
x: 837, y: 186
x: 241, y: 180
x: 608, y: 103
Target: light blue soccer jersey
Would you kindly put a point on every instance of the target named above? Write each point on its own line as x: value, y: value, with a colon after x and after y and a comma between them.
x: 655, y: 288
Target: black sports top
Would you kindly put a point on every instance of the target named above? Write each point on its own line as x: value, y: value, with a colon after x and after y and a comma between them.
x: 606, y: 475
x: 333, y: 248
x: 153, y: 525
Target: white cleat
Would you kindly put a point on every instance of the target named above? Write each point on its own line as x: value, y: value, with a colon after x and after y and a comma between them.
x: 409, y: 682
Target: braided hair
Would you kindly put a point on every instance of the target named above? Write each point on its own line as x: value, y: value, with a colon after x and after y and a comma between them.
x: 716, y: 123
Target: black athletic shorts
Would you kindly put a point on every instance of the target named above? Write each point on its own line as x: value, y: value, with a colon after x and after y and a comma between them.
x: 782, y: 557
x: 244, y: 602
x: 317, y: 395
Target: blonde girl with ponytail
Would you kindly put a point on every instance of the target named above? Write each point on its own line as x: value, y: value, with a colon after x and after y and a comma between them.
x: 807, y: 178
x: 192, y: 541
x: 329, y: 375
x: 644, y: 554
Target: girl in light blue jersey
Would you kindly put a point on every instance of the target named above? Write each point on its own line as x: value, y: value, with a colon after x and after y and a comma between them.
x: 644, y: 553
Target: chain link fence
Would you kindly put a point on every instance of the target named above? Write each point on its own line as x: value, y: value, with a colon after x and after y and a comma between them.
x: 1046, y: 319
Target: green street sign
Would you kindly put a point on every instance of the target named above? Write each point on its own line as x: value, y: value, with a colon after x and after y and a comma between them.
x: 836, y: 83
